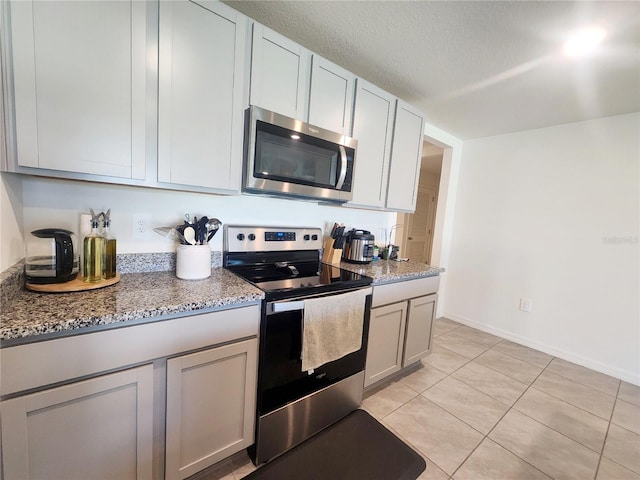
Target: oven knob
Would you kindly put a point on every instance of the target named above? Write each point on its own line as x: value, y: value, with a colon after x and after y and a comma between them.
x: 252, y: 237
x: 306, y: 237
x: 314, y: 237
x: 240, y: 236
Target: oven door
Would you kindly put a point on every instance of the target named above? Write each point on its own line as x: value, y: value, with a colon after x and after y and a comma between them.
x: 289, y: 157
x: 281, y: 379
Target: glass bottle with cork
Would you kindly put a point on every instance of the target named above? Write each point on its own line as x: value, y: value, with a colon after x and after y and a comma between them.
x: 94, y: 252
x: 110, y: 247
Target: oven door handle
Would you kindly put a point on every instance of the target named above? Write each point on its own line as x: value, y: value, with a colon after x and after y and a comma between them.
x: 279, y: 307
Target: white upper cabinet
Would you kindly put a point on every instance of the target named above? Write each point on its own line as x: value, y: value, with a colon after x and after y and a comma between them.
x: 200, y: 111
x: 279, y: 73
x: 288, y: 79
x: 79, y: 78
x: 406, y: 155
x: 330, y: 96
x: 373, y: 128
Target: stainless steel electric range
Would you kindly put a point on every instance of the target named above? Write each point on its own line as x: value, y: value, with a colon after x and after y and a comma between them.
x: 293, y: 404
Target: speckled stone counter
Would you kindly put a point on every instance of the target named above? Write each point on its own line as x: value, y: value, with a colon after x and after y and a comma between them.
x: 27, y: 316
x: 389, y: 271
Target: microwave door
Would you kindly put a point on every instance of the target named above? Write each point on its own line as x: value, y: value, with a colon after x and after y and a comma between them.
x: 286, y: 157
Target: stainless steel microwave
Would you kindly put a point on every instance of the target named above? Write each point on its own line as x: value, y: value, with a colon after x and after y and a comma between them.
x: 287, y: 157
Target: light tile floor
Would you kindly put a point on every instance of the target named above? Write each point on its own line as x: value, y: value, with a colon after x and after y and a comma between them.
x: 481, y: 407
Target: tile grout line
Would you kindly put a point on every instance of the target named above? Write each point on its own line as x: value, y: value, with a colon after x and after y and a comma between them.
x: 521, y: 395
x: 606, y: 435
x: 493, y: 428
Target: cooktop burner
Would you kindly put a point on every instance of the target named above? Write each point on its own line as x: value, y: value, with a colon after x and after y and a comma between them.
x: 284, y: 262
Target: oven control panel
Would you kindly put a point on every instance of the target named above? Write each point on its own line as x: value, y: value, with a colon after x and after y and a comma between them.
x: 249, y: 238
x: 279, y: 236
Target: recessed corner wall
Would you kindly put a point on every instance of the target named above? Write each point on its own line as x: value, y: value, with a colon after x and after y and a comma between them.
x: 552, y: 215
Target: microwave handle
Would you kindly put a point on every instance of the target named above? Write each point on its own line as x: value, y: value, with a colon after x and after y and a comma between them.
x: 343, y: 167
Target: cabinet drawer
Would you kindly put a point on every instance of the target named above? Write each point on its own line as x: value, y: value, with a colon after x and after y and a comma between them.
x: 35, y: 365
x: 400, y: 291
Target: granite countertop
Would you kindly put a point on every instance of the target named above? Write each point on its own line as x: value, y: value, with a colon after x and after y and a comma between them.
x: 29, y: 316
x: 136, y: 296
x: 389, y: 271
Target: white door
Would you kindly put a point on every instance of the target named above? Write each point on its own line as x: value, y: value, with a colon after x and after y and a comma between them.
x: 279, y: 74
x: 210, y: 406
x: 406, y: 152
x: 420, y: 226
x: 79, y: 75
x: 331, y: 96
x: 98, y: 428
x: 200, y: 116
x: 372, y: 128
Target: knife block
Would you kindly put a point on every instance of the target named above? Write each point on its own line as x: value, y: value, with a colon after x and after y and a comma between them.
x: 329, y: 254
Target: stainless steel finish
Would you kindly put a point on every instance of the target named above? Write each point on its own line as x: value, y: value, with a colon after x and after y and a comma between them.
x: 359, y: 248
x: 343, y: 167
x: 290, y: 425
x: 278, y: 307
x: 231, y: 243
x: 263, y: 185
x: 290, y: 305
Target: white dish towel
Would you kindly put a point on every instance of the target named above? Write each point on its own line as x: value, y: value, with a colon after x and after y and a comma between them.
x: 332, y: 327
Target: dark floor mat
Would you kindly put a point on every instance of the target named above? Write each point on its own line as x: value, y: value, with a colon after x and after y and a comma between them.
x: 356, y: 447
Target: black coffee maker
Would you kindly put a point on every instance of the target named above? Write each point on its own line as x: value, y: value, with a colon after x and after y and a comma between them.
x: 52, y: 256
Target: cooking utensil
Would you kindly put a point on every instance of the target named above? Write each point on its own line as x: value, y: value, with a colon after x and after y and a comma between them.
x: 190, y: 235
x: 201, y: 230
x: 213, y: 224
x: 171, y: 233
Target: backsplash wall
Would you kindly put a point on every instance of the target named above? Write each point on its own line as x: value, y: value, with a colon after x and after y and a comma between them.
x: 59, y: 203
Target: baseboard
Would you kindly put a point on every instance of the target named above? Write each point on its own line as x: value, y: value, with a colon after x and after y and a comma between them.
x: 622, y: 374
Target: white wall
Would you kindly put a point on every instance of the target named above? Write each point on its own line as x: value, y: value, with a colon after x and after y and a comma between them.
x: 552, y: 215
x: 445, y: 213
x: 11, y: 241
x: 59, y: 203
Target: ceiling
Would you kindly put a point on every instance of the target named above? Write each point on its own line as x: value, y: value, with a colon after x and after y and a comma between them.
x: 476, y: 68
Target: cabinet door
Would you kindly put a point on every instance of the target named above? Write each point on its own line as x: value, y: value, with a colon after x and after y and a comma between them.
x: 279, y: 74
x: 98, y: 428
x: 419, y: 332
x: 406, y: 153
x: 210, y: 406
x: 200, y: 113
x: 79, y: 76
x: 330, y: 96
x: 386, y: 338
x: 372, y: 127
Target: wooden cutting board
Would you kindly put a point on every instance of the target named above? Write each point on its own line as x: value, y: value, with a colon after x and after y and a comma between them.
x: 76, y: 285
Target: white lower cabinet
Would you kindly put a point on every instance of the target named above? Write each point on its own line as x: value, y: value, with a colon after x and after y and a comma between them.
x: 386, y: 335
x: 98, y: 428
x: 93, y: 405
x: 400, y: 327
x: 418, y: 335
x: 210, y: 406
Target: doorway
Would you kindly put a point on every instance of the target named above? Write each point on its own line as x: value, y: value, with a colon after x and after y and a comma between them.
x: 418, y: 227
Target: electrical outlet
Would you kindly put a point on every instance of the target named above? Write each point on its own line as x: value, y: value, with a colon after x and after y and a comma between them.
x: 140, y: 226
x: 525, y: 304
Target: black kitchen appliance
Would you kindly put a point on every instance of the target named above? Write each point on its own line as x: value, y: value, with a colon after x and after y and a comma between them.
x: 52, y: 256
x: 292, y: 404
